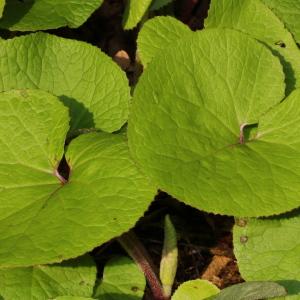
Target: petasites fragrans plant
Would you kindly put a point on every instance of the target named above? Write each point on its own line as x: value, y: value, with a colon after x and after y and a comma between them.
x: 267, y: 249
x: 204, y: 134
x: 46, y: 216
x: 203, y: 122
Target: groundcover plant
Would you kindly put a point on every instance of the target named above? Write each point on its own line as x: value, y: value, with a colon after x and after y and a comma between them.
x: 213, y: 121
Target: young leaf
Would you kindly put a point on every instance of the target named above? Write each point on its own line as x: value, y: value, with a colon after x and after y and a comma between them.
x: 157, y: 34
x: 43, y: 282
x: 2, y: 4
x: 195, y: 290
x: 157, y: 4
x: 256, y: 19
x: 251, y: 291
x: 44, y: 217
x: 122, y: 279
x: 191, y: 126
x: 289, y: 12
x: 134, y: 12
x: 85, y: 79
x: 269, y: 249
x: 46, y: 14
x: 169, y: 260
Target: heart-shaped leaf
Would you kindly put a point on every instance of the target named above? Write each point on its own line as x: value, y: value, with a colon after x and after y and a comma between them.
x: 269, y: 250
x: 46, y: 14
x: 195, y: 290
x: 86, y: 80
x: 256, y: 19
x: 206, y: 132
x: 157, y: 34
x: 122, y: 279
x: 43, y: 282
x: 45, y: 217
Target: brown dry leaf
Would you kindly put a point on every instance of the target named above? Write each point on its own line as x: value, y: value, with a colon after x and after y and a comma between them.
x: 122, y: 59
x: 215, y: 267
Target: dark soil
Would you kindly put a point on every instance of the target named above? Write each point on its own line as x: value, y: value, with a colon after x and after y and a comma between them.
x: 204, y: 243
x: 204, y: 240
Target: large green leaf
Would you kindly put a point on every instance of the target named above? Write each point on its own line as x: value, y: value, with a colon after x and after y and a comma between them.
x: 157, y: 34
x: 85, y: 79
x: 122, y: 279
x: 43, y: 282
x: 134, y: 12
x: 31, y: 15
x: 192, y: 126
x: 43, y: 218
x: 289, y: 12
x: 269, y: 249
x: 195, y: 290
x: 255, y: 18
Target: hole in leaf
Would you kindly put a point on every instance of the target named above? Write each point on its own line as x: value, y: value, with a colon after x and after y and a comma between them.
x: 134, y: 289
x: 63, y: 171
x: 247, y: 132
x: 280, y: 44
x: 243, y: 239
x: 241, y: 222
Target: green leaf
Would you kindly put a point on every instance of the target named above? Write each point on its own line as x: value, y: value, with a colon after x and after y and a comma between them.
x: 269, y: 249
x: 158, y: 4
x: 169, y: 260
x: 73, y: 277
x: 72, y: 298
x: 134, y: 12
x: 122, y: 279
x: 158, y: 34
x: 43, y: 219
x: 289, y: 297
x: 192, y: 126
x: 195, y: 290
x: 289, y: 12
x: 46, y: 14
x: 251, y: 291
x: 2, y: 4
x: 85, y: 79
x: 256, y: 19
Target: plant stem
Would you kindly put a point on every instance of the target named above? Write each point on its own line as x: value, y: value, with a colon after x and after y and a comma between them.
x: 138, y: 253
